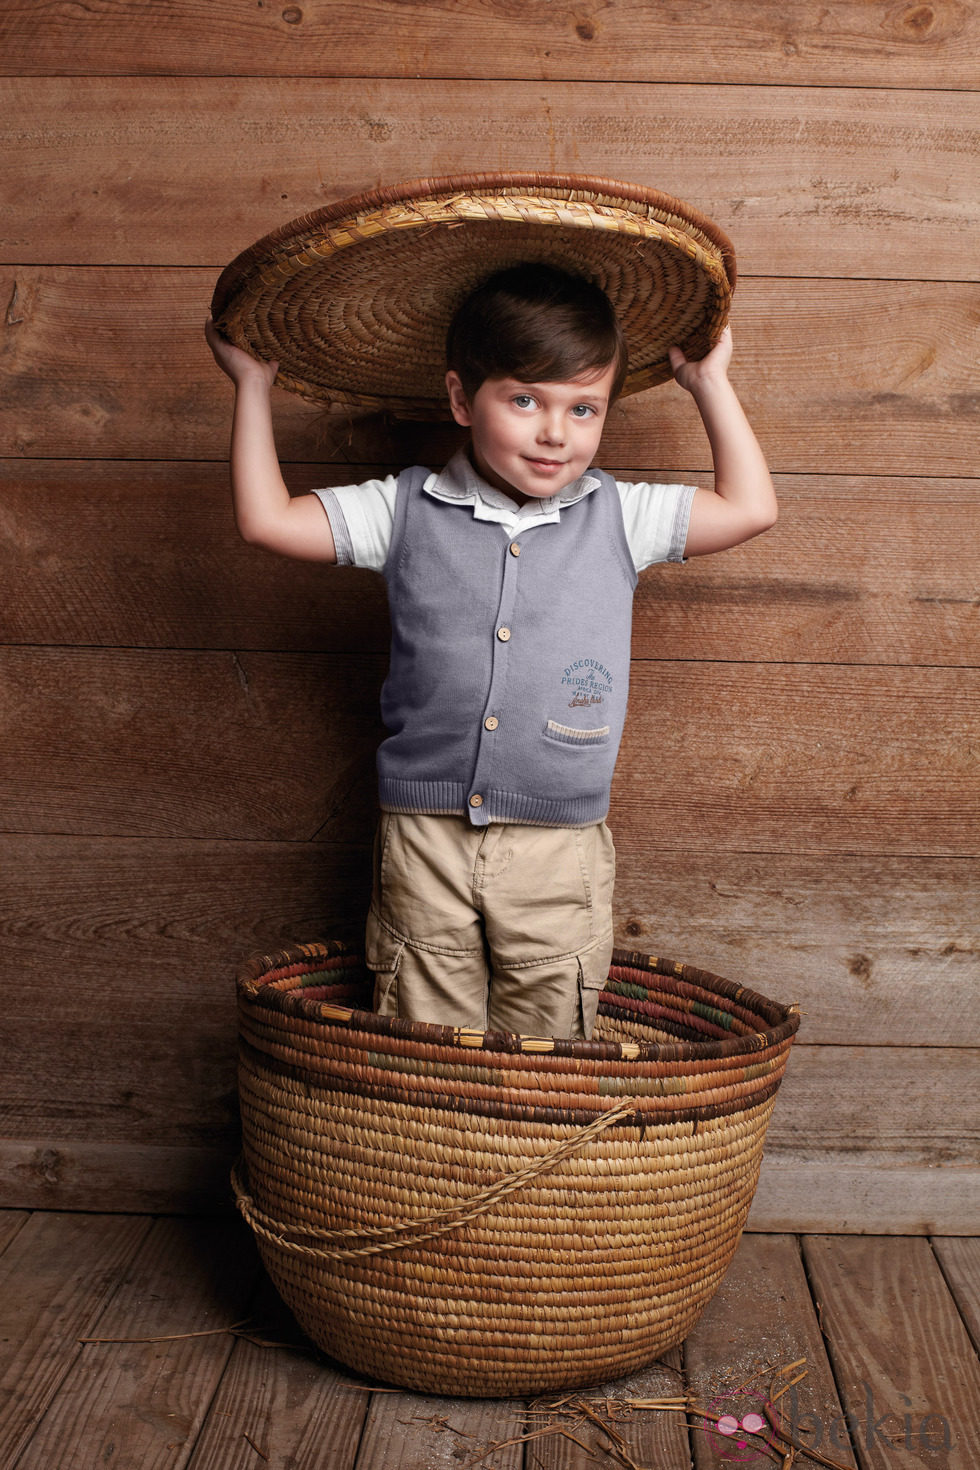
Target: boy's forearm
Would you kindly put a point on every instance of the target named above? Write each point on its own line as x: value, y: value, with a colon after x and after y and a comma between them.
x: 259, y: 492
x: 743, y: 502
x: 265, y: 513
x: 741, y: 473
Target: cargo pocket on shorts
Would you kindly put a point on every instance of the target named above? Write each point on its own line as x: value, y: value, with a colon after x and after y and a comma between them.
x: 593, y: 972
x: 382, y: 954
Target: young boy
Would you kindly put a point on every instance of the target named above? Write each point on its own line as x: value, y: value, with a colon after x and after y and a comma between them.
x: 510, y: 579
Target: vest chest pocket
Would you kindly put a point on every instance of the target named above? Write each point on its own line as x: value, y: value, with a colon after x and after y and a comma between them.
x: 568, y: 735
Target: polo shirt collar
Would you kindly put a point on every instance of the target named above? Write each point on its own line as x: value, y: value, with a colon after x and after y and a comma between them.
x: 459, y: 483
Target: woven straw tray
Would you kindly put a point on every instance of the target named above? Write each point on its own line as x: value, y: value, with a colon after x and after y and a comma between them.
x: 353, y: 301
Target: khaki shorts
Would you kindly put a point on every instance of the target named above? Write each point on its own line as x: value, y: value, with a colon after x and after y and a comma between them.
x: 505, y: 927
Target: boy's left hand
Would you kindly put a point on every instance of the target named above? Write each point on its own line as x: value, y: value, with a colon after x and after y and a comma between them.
x: 712, y: 368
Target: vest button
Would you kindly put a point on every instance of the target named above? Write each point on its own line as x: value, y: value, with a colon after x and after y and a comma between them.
x: 515, y: 548
x: 476, y: 799
x: 503, y: 634
x: 491, y: 722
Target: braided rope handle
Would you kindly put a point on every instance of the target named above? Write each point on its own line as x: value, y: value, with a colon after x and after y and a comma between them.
x: 426, y: 1227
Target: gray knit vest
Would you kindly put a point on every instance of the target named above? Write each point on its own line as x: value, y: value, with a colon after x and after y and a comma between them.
x: 509, y: 672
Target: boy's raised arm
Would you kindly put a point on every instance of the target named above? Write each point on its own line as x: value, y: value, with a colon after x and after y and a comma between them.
x: 265, y: 513
x: 743, y: 502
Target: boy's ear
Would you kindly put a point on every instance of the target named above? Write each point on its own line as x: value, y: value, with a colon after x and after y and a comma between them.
x: 458, y: 402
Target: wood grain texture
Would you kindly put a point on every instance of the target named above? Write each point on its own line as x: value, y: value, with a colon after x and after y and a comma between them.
x: 761, y: 1319
x: 143, y: 1402
x: 877, y: 570
x: 263, y: 747
x: 843, y: 379
x: 864, y: 1197
x: 875, y: 951
x: 904, y: 1365
x: 847, y: 42
x: 892, y: 1105
x: 398, y: 1440
x: 959, y: 1260
x: 55, y: 1279
x: 850, y: 575
x: 657, y: 1437
x: 139, y: 1080
x: 762, y: 1311
x: 11, y: 1221
x: 718, y: 757
x: 806, y: 181
x: 147, y: 555
x: 51, y: 1173
x: 885, y: 1104
x: 187, y: 726
x: 283, y: 1405
x: 859, y: 1197
x: 292, y: 735
x: 143, y: 921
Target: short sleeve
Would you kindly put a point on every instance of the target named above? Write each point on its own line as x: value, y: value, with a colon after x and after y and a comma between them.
x: 656, y: 518
x: 361, y: 519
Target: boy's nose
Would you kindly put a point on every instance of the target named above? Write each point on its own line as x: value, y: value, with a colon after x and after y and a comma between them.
x: 552, y: 430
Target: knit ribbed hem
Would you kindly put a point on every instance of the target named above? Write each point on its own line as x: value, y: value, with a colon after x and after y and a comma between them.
x: 422, y: 797
x: 449, y: 798
x: 338, y: 525
x: 681, y: 524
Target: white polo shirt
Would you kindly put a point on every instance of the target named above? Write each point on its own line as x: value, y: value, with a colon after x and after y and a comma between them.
x: 361, y: 516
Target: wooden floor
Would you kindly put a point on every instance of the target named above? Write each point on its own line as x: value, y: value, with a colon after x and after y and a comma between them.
x: 128, y: 1341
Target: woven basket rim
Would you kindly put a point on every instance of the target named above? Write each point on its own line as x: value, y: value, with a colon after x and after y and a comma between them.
x: 782, y: 1021
x: 255, y: 301
x: 555, y: 185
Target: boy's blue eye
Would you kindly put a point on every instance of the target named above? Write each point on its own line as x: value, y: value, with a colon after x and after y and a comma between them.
x: 583, y: 410
x: 523, y: 400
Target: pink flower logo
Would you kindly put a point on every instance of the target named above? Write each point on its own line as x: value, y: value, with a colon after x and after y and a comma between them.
x: 737, y: 1419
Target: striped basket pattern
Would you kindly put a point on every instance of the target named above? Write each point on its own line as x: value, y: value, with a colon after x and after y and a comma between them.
x: 473, y: 1213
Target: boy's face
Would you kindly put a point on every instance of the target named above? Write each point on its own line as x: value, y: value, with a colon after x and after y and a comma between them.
x: 530, y: 440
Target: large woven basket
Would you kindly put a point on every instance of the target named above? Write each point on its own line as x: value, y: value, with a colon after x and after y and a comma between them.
x: 353, y: 300
x: 471, y: 1213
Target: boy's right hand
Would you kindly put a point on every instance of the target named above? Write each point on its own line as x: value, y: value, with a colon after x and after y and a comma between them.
x: 239, y: 366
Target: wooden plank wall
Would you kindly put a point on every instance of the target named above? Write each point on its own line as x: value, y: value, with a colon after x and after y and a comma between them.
x: 187, y: 725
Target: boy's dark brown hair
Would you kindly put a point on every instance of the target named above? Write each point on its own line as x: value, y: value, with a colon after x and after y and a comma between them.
x: 537, y: 324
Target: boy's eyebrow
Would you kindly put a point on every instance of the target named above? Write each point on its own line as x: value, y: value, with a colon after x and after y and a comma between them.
x: 587, y: 395
x: 592, y: 400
